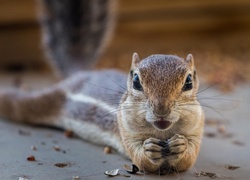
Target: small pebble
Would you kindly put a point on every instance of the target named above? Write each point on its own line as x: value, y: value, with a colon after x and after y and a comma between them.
x: 107, y: 150
x: 57, y: 148
x: 31, y: 158
x: 33, y: 148
x: 68, y: 133
x: 221, y: 129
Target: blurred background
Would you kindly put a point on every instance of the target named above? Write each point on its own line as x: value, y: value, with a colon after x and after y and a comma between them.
x: 216, y: 32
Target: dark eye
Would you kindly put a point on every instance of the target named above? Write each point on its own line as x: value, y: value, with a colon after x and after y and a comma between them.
x: 131, y: 73
x: 136, y: 83
x: 188, y: 84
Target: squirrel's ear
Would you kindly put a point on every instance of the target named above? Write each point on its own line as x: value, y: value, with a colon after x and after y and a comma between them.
x: 190, y: 60
x: 135, y: 60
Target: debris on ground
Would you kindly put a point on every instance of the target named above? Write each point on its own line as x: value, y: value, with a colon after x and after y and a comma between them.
x: 31, y: 158
x: 33, y: 148
x: 133, y: 169
x: 68, y: 133
x: 24, y: 133
x: 57, y: 148
x: 23, y: 178
x: 107, y: 150
x: 62, y: 165
x: 230, y: 167
x: 76, y: 177
x: 207, y: 174
x: 238, y: 143
x: 113, y: 172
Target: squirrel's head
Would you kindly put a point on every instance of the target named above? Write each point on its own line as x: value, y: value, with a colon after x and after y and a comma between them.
x: 160, y: 85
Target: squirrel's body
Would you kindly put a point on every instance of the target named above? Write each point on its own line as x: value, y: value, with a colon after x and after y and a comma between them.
x: 158, y: 122
x: 152, y: 116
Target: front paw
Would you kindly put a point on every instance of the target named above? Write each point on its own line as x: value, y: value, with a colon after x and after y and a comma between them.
x: 155, y: 150
x: 177, y: 144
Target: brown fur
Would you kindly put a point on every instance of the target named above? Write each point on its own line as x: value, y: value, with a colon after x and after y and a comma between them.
x: 162, y: 78
x: 35, y: 108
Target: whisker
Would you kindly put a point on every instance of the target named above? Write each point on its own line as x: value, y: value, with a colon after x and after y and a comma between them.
x: 222, y: 99
x: 216, y: 112
x: 205, y: 89
x: 121, y: 92
x: 180, y: 113
x: 125, y: 88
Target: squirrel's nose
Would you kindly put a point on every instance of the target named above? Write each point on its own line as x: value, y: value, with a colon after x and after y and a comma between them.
x: 161, y: 112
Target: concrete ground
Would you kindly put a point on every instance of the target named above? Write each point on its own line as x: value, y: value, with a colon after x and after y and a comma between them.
x: 224, y: 152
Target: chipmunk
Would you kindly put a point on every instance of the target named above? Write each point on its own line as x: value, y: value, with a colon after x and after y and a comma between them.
x: 152, y: 116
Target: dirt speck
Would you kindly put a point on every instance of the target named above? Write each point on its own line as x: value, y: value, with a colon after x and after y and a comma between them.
x: 107, y: 150
x: 210, y: 134
x: 206, y: 174
x: 33, y: 148
x: 238, y: 143
x: 230, y: 167
x: 31, y: 158
x: 24, y: 133
x: 68, y: 133
x: 57, y: 148
x: 62, y: 165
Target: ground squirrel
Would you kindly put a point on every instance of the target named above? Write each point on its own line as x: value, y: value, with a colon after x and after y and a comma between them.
x: 153, y: 117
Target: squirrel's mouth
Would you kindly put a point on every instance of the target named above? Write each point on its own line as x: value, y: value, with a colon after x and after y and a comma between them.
x: 162, y: 124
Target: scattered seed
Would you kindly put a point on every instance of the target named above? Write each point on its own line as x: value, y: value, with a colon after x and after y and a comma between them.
x: 68, y: 133
x: 211, y: 122
x: 229, y: 167
x: 24, y: 133
x: 113, y: 172
x: 76, y: 177
x: 239, y: 143
x: 61, y: 165
x: 57, y: 148
x: 208, y: 174
x: 23, y: 178
x: 133, y: 169
x: 33, y: 148
x: 210, y: 134
x: 107, y: 150
x: 31, y: 158
x: 221, y: 129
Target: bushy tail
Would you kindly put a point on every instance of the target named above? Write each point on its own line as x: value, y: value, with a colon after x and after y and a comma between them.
x: 75, y: 31
x: 34, y: 108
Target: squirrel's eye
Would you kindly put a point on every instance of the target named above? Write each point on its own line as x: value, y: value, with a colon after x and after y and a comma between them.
x: 188, y: 84
x: 136, y: 83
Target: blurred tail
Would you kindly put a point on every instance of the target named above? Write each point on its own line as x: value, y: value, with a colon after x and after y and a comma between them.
x: 34, y: 108
x: 75, y: 32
